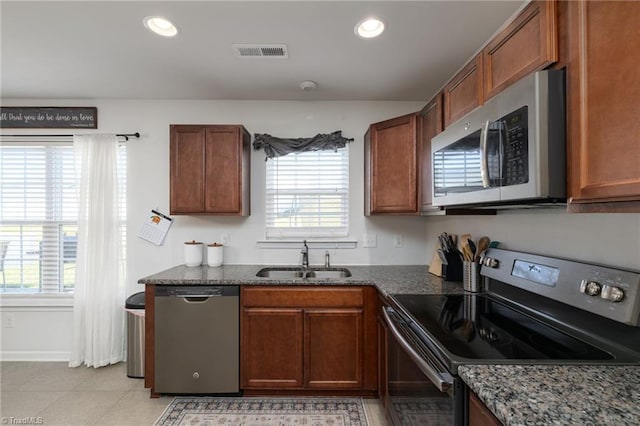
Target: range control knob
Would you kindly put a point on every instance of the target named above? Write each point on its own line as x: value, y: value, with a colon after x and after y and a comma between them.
x: 490, y: 262
x: 614, y: 294
x: 590, y: 288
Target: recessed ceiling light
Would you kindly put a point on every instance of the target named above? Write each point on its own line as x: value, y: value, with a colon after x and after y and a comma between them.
x: 369, y: 28
x: 308, y: 85
x: 160, y: 26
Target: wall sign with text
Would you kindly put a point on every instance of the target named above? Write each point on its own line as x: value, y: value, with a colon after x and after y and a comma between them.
x: 49, y: 117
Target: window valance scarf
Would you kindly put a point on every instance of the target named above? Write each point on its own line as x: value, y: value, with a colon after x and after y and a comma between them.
x: 278, y: 147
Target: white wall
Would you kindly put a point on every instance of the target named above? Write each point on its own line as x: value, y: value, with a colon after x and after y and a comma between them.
x: 148, y: 187
x: 612, y: 239
x: 608, y: 239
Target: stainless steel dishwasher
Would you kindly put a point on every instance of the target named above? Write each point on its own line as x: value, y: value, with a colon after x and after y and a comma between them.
x: 197, y: 339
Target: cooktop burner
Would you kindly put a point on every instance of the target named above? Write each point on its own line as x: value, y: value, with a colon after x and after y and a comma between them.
x: 479, y: 327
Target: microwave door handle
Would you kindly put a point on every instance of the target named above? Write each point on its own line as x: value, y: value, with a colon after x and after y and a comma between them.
x: 436, y: 378
x: 484, y: 155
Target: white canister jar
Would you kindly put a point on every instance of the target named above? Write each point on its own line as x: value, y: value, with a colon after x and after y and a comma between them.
x: 215, y: 254
x: 193, y: 253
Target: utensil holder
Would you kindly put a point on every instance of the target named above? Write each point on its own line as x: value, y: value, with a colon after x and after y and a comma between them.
x: 471, y: 279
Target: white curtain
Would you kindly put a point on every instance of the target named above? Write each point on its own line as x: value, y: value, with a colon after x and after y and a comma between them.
x: 98, y: 302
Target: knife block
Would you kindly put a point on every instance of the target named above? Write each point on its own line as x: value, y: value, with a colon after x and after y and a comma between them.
x: 452, y: 270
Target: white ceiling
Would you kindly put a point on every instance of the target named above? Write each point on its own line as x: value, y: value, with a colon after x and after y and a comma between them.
x: 100, y: 49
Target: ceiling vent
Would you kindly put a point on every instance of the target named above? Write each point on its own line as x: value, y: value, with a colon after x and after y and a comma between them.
x: 260, y: 50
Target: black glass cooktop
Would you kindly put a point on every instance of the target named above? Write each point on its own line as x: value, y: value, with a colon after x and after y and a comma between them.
x: 478, y: 327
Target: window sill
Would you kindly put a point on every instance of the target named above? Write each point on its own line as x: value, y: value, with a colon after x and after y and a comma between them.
x: 36, y: 300
x: 312, y: 243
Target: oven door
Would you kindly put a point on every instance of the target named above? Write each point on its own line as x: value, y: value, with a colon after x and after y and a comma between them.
x: 420, y: 390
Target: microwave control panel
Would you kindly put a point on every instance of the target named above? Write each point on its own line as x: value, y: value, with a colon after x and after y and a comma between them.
x: 515, y: 161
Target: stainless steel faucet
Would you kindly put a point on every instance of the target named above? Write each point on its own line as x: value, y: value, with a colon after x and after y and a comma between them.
x: 327, y: 263
x: 305, y: 254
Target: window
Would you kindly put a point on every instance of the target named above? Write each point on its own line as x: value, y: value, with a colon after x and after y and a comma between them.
x: 38, y: 215
x: 307, y: 194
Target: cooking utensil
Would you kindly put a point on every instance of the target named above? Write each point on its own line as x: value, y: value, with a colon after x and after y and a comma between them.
x: 483, y: 244
x: 463, y: 240
x: 467, y: 254
x: 472, y: 246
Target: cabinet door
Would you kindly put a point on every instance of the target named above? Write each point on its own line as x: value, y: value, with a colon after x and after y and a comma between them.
x: 271, y: 349
x: 333, y: 348
x: 431, y: 116
x: 210, y: 168
x: 187, y: 178
x: 479, y: 414
x: 223, y: 169
x: 464, y: 92
x: 604, y: 100
x: 391, y: 173
x: 527, y: 44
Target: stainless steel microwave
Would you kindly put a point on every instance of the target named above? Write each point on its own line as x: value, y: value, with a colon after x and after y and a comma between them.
x: 511, y: 150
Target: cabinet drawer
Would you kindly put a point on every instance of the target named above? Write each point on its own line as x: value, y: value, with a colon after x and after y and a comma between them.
x: 302, y: 297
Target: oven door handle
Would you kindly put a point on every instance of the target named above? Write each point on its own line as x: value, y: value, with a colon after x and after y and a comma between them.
x: 436, y: 378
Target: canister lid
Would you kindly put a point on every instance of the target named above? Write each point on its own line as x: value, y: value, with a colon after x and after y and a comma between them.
x: 193, y: 242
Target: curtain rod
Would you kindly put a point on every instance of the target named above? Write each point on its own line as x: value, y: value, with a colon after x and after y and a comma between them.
x: 126, y: 136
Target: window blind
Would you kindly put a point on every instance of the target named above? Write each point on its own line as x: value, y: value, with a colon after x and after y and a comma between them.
x: 38, y: 214
x: 307, y: 194
x: 456, y: 171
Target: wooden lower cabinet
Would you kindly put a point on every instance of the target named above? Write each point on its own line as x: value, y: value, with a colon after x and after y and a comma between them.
x: 333, y: 348
x: 309, y: 339
x: 479, y: 414
x: 272, y: 347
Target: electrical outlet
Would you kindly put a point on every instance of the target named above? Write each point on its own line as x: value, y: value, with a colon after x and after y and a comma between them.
x: 369, y: 240
x: 224, y: 239
x: 9, y: 320
x: 397, y: 241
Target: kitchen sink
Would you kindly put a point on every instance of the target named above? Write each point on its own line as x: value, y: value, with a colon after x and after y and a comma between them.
x: 288, y: 273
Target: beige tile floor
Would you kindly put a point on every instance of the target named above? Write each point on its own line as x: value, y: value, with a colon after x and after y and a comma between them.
x: 51, y: 393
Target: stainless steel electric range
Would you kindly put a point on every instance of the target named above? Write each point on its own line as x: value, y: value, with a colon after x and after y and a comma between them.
x: 535, y: 310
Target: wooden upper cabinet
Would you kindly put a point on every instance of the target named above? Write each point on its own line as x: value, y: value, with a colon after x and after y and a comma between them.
x: 603, y: 104
x: 431, y: 118
x: 529, y: 43
x: 391, y: 166
x: 464, y: 92
x: 210, y: 168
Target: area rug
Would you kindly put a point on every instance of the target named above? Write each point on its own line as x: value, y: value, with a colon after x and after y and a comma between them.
x: 426, y: 411
x: 210, y: 411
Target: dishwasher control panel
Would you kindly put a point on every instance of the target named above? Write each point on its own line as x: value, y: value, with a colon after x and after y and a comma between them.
x: 196, y: 291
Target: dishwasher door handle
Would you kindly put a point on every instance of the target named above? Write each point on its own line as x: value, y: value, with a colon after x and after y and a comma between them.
x: 197, y: 298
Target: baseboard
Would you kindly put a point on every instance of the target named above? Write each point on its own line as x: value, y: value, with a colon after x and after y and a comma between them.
x: 35, y: 356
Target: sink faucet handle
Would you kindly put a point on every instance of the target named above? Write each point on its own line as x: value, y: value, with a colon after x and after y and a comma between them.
x: 305, y: 254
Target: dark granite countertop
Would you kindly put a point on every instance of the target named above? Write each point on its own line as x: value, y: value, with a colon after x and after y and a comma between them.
x: 557, y: 395
x: 389, y: 279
